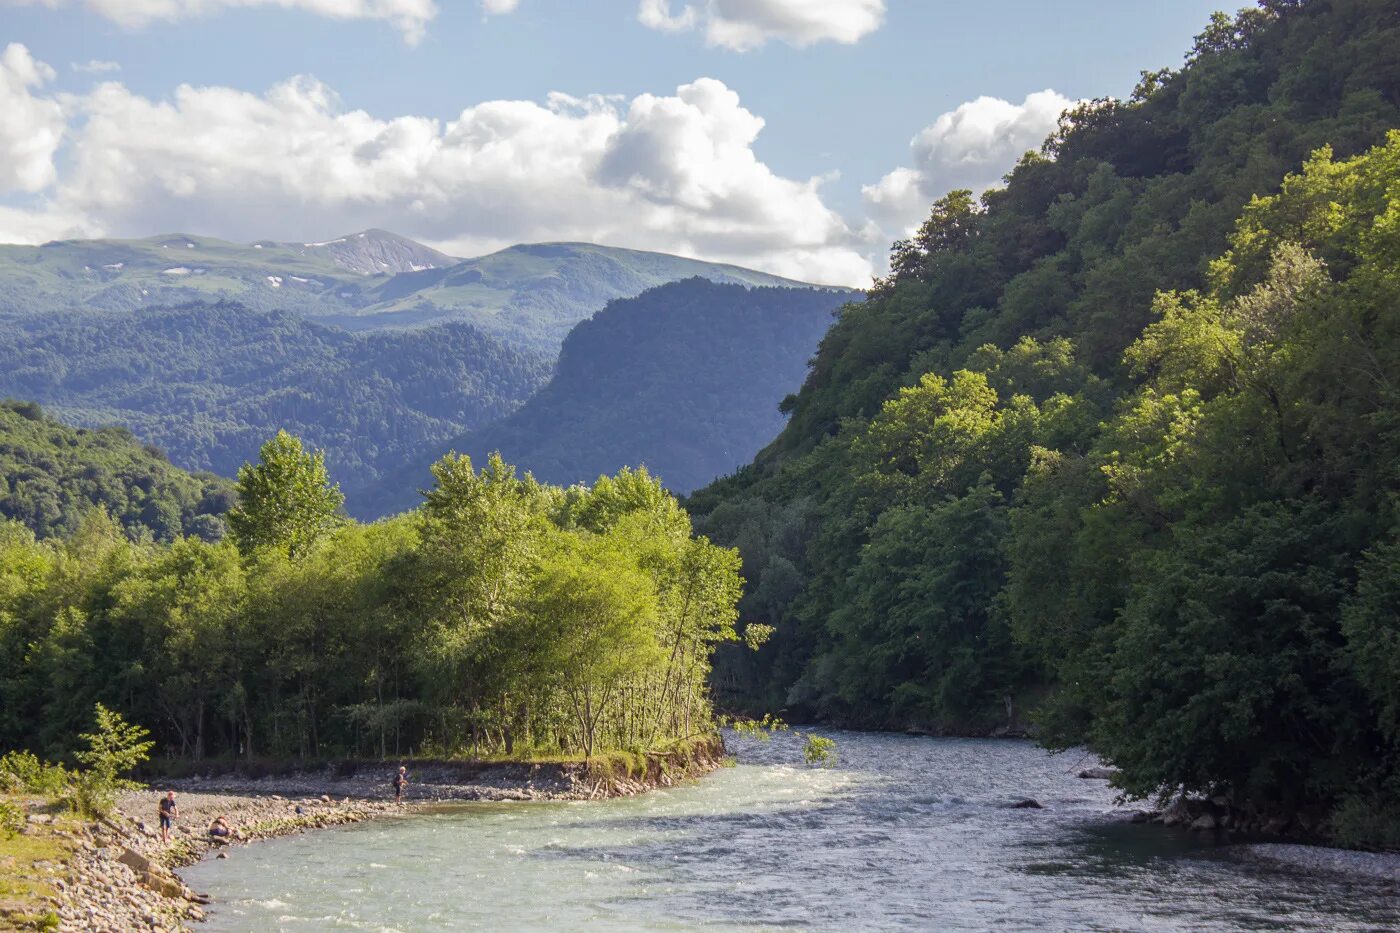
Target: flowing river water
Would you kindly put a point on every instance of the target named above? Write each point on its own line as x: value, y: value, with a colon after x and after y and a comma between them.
x: 903, y: 833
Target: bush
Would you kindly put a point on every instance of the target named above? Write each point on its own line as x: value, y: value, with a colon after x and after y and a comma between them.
x: 116, y: 748
x: 23, y: 772
x: 11, y: 820
x: 1365, y: 823
x: 819, y: 751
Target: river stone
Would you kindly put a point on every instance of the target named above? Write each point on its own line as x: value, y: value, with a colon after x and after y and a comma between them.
x: 1098, y: 774
x: 1178, y: 814
x: 1026, y: 804
x: 1204, y: 823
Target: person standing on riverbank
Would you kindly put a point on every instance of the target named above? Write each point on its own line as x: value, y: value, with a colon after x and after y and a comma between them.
x: 400, y: 782
x: 169, y: 812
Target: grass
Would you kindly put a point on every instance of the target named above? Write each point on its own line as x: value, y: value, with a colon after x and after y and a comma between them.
x: 29, y: 864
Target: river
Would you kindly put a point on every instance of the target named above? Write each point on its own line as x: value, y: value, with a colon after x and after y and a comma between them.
x: 903, y: 833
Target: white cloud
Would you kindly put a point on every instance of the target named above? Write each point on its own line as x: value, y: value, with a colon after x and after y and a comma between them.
x: 95, y: 66
x: 675, y: 173
x: 33, y: 126
x: 499, y: 7
x: 411, y: 17
x: 747, y: 24
x: 970, y: 147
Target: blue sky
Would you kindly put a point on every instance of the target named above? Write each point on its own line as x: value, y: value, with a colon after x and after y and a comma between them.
x: 841, y: 88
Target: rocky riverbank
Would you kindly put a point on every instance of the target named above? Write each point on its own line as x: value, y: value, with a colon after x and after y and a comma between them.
x: 118, y: 875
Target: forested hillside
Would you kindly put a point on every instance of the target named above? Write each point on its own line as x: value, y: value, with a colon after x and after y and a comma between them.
x: 209, y: 383
x: 1118, y: 443
x: 52, y: 476
x: 685, y: 379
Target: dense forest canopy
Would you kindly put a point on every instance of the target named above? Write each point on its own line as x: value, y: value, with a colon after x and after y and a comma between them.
x: 684, y: 379
x: 501, y: 616
x: 1117, y: 442
x: 52, y: 475
x: 209, y: 382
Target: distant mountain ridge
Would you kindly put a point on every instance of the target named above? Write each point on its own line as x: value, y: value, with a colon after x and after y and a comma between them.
x: 373, y: 252
x: 685, y: 379
x: 527, y: 295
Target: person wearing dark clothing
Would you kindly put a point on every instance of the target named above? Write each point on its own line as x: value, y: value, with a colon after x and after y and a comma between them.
x: 219, y: 829
x: 169, y: 812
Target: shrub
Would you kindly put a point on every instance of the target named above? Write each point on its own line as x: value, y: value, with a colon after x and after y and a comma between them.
x: 819, y: 751
x: 114, y: 749
x: 1365, y: 822
x: 23, y: 772
x: 11, y: 820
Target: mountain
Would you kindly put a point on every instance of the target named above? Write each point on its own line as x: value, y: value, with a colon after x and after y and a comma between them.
x: 208, y: 383
x: 373, y: 252
x: 1117, y: 443
x: 685, y: 379
x: 529, y: 296
x: 533, y: 295
x: 52, y: 475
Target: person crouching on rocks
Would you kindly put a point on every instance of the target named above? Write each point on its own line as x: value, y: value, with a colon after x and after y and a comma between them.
x: 400, y: 782
x: 219, y: 830
x: 169, y: 813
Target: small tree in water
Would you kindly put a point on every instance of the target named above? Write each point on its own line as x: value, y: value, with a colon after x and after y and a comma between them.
x: 819, y: 751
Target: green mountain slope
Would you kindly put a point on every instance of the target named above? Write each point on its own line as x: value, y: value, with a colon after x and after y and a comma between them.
x: 52, y: 475
x: 535, y: 294
x: 210, y: 383
x: 1036, y: 469
x: 685, y: 379
x: 526, y: 295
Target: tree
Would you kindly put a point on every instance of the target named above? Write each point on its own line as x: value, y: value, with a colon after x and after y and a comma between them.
x: 113, y: 750
x: 285, y: 501
x: 594, y: 618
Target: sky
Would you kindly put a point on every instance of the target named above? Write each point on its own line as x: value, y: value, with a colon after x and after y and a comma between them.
x: 795, y: 136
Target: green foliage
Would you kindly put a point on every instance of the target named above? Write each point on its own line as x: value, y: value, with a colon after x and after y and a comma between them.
x: 1119, y: 440
x: 11, y: 820
x: 116, y: 748
x: 503, y: 617
x: 53, y: 475
x: 24, y: 773
x: 286, y: 500
x: 761, y: 729
x: 819, y: 751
